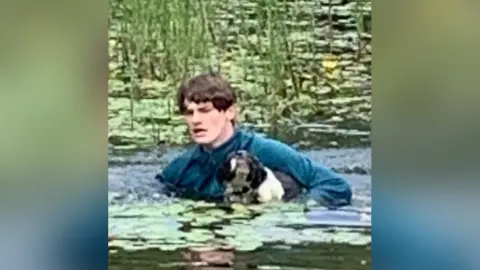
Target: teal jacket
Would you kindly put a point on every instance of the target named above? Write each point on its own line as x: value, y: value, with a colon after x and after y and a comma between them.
x: 192, y: 174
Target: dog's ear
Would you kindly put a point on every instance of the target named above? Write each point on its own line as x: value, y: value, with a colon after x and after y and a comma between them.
x: 257, y: 163
x: 257, y: 172
x: 224, y: 172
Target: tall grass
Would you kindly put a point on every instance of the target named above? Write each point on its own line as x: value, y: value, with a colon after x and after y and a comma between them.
x: 261, y: 45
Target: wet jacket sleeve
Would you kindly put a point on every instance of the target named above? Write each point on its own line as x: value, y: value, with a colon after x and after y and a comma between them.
x: 168, y: 177
x: 323, y: 185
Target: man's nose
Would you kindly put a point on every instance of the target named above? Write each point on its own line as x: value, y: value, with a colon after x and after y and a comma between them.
x: 196, y: 117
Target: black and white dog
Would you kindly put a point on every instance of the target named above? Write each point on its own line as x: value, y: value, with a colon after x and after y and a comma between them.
x: 247, y: 181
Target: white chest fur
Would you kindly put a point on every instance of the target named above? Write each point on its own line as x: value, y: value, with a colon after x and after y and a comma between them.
x: 271, y: 189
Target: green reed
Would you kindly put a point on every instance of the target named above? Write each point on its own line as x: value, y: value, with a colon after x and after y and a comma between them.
x: 167, y: 41
x: 361, y: 28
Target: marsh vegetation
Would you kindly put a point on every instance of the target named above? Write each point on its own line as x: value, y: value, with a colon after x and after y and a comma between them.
x: 302, y: 68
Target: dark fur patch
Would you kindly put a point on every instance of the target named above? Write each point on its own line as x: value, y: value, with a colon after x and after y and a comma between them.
x: 257, y: 172
x: 291, y: 187
x: 224, y: 173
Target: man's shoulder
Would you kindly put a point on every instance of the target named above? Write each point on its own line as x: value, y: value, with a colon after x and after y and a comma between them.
x: 266, y: 143
x: 267, y: 147
x: 183, y: 156
x: 176, y: 165
x: 255, y: 137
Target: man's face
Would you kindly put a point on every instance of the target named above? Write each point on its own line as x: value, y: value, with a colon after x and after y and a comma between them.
x: 206, y: 124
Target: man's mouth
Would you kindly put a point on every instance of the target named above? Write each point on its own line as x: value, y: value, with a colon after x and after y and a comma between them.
x: 199, y: 131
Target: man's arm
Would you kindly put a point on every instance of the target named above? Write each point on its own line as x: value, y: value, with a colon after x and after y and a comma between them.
x: 324, y: 185
x: 169, y: 176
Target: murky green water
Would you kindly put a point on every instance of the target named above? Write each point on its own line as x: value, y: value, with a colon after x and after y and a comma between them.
x: 155, y: 232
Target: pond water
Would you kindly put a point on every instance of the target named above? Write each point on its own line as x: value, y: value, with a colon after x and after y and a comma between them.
x: 155, y: 232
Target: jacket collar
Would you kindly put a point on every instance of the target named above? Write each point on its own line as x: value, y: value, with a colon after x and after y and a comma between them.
x: 217, y: 154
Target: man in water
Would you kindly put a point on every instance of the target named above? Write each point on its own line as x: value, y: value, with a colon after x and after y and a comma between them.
x: 208, y: 103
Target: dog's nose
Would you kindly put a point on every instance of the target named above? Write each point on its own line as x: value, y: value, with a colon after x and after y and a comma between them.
x: 241, y: 191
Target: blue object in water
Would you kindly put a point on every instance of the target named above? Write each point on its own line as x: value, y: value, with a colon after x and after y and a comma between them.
x: 342, y: 217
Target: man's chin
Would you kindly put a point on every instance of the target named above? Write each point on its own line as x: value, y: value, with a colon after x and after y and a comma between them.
x: 202, y: 140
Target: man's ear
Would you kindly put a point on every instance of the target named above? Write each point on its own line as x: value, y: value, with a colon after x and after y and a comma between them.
x: 232, y: 112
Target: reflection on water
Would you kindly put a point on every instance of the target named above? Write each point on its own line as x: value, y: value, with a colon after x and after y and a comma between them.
x: 153, y: 231
x: 271, y: 256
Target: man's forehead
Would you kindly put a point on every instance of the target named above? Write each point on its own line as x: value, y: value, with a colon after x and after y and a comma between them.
x: 192, y: 105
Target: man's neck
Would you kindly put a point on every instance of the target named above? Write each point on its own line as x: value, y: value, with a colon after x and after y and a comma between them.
x: 227, y: 134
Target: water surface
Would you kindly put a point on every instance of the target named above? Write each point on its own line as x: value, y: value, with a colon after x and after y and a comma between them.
x: 155, y: 232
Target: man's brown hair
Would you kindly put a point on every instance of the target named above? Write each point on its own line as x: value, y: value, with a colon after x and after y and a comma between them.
x: 207, y: 87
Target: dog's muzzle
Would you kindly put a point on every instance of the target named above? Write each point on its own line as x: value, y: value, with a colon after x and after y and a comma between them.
x: 238, y: 188
x: 240, y: 197
x: 239, y: 183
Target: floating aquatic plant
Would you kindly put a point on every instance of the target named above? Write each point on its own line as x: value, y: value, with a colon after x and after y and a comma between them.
x: 186, y: 223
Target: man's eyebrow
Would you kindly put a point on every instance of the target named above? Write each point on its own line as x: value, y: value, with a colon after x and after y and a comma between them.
x: 204, y: 107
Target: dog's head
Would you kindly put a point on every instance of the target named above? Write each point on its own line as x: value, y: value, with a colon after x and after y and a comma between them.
x: 242, y: 173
